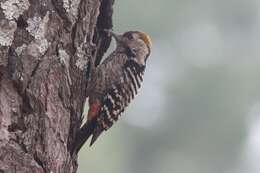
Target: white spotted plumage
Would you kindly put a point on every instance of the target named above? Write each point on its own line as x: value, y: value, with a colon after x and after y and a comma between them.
x: 118, y: 78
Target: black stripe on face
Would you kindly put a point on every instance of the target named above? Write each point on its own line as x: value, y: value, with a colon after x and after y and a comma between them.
x: 132, y: 64
x: 130, y: 53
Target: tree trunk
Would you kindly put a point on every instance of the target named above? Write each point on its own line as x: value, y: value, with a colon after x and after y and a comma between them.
x: 46, y: 52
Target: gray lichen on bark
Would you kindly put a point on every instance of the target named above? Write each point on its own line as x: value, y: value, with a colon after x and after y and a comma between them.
x: 14, y: 8
x: 7, y: 29
x: 45, y: 50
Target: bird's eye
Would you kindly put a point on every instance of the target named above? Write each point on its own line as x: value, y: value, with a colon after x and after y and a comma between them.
x: 129, y: 36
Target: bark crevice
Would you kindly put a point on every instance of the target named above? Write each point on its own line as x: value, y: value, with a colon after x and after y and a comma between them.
x: 44, y: 74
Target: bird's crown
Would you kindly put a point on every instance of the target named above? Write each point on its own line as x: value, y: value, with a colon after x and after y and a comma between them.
x: 146, y: 39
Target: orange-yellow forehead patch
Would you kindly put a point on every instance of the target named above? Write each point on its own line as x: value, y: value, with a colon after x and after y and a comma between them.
x: 146, y: 39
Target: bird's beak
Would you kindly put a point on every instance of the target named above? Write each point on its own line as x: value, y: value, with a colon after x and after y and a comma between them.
x: 117, y: 37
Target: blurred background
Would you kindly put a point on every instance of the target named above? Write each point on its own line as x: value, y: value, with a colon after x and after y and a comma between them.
x: 199, y: 108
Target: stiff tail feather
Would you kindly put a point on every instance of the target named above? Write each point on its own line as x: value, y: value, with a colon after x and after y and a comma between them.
x: 96, y: 133
x: 83, y: 134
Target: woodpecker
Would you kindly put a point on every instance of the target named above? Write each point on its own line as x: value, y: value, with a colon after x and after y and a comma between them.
x: 116, y: 80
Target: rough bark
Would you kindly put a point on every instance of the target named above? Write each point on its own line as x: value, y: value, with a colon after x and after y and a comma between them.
x: 46, y: 47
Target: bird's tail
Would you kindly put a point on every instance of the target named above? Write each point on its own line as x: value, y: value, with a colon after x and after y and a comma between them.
x: 83, y: 134
x: 96, y: 133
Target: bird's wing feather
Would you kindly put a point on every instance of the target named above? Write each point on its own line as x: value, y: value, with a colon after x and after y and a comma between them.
x: 118, y: 96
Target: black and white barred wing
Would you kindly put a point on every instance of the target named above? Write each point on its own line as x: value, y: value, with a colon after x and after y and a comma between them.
x: 119, y: 96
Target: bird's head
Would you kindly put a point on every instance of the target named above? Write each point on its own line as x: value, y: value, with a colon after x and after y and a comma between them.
x: 135, y: 44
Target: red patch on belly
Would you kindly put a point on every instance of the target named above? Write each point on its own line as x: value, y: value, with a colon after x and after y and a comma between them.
x: 93, y: 110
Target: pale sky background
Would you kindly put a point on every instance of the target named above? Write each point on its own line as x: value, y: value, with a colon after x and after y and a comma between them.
x: 198, y: 110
